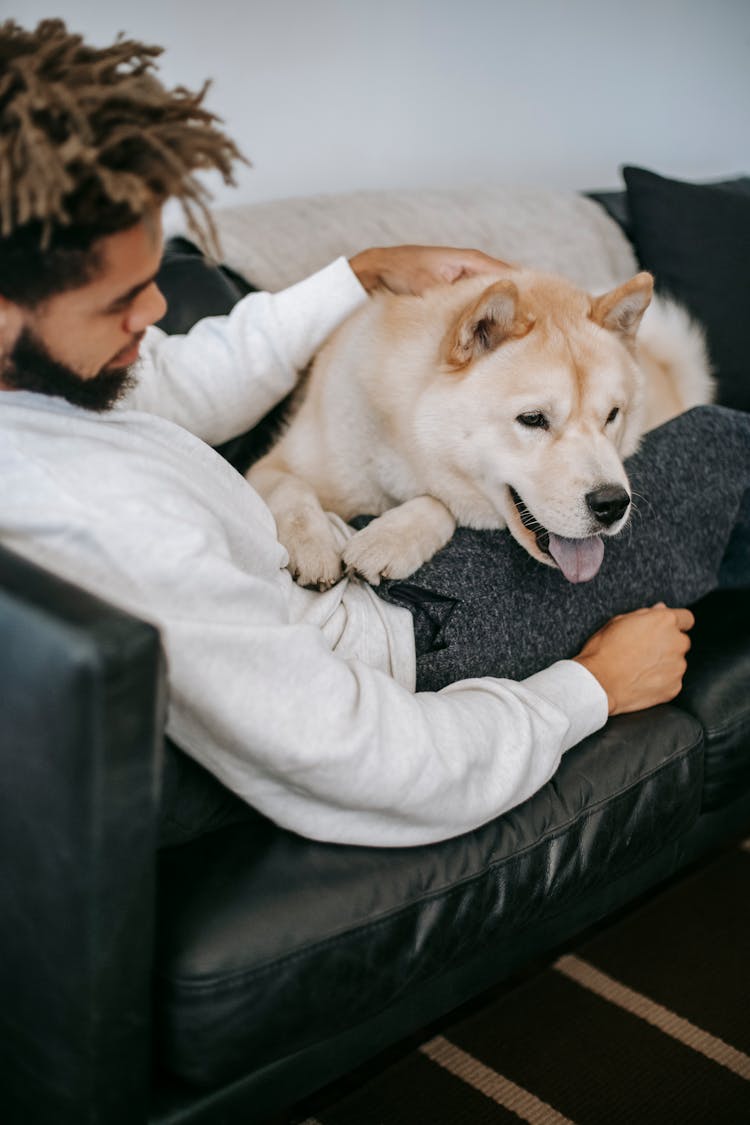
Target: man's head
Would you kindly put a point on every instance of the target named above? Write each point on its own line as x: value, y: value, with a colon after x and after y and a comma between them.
x: 91, y: 146
x: 79, y: 344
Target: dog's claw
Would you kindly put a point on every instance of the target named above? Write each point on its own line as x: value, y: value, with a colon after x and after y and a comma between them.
x: 313, y: 566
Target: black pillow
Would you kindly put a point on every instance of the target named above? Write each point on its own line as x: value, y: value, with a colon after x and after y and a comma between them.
x: 194, y: 287
x: 615, y: 203
x: 695, y: 239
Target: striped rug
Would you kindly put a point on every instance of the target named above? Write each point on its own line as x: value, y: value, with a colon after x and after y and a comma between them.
x: 646, y: 1023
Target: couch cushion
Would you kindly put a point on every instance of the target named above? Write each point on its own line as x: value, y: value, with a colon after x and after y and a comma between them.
x: 268, y: 942
x: 696, y: 240
x: 716, y: 691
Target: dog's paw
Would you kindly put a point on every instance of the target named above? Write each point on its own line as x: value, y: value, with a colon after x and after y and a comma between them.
x: 379, y: 551
x: 316, y: 567
x: 313, y: 564
x: 314, y: 559
x: 397, y: 543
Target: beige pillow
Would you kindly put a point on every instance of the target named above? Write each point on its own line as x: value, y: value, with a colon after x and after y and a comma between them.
x: 275, y: 244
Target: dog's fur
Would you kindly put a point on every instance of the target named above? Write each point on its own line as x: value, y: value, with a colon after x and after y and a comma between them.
x: 488, y: 403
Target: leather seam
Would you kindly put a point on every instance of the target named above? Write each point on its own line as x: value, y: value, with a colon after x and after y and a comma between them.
x: 727, y: 728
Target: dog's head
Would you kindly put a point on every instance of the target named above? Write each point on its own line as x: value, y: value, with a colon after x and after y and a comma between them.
x: 550, y: 403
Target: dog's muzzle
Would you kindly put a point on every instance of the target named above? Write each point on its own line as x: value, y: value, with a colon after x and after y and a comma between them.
x: 578, y: 559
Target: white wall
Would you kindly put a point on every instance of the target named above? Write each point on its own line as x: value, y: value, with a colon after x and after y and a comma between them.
x: 331, y: 95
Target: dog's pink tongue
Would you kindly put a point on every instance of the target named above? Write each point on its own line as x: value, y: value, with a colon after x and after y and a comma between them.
x: 578, y: 559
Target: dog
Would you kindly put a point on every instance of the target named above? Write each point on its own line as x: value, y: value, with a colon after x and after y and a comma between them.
x: 508, y: 401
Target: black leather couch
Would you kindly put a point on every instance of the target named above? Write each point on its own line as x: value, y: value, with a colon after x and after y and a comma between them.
x: 224, y: 979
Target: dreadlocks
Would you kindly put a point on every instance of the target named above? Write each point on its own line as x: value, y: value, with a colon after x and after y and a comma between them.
x: 90, y: 142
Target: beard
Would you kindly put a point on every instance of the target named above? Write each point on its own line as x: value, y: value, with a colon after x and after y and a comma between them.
x: 30, y: 367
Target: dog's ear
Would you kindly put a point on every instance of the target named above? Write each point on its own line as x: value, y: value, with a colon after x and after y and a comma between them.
x: 485, y: 324
x: 621, y: 309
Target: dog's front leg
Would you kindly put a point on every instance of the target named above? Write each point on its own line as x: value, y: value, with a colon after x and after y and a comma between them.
x: 397, y: 543
x: 301, y: 525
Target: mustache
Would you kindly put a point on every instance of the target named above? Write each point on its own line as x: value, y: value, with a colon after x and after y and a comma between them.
x: 123, y: 351
x: 31, y: 367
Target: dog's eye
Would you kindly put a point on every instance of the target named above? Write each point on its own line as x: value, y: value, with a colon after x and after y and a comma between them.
x: 613, y: 414
x: 534, y: 420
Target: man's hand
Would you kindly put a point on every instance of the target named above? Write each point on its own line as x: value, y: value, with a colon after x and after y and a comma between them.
x: 639, y: 658
x: 412, y: 269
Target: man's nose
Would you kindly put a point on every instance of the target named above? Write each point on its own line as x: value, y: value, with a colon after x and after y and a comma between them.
x: 149, y: 308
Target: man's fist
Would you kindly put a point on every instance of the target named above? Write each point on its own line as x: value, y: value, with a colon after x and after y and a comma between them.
x: 639, y: 658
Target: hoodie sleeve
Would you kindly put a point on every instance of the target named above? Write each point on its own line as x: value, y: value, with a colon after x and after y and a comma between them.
x: 220, y: 378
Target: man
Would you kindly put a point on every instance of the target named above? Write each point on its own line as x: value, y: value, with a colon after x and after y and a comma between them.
x: 302, y: 703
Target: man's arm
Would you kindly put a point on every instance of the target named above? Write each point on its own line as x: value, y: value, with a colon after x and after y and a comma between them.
x: 338, y: 751
x: 224, y: 375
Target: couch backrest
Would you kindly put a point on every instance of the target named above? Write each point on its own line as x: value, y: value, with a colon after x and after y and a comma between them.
x: 275, y: 244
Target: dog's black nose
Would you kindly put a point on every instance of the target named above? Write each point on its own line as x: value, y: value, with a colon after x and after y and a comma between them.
x: 609, y: 503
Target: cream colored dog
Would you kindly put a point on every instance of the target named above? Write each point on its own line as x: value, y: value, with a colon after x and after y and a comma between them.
x: 508, y: 403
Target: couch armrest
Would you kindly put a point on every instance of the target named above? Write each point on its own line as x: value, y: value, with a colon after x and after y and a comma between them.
x: 715, y: 692
x: 80, y: 737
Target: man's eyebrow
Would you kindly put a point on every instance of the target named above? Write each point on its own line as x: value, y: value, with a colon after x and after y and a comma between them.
x: 126, y: 298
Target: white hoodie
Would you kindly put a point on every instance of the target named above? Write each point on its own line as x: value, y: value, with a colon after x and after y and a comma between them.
x: 303, y: 703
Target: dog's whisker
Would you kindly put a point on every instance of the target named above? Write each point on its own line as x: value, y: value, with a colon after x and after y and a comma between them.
x: 528, y: 520
x: 640, y: 497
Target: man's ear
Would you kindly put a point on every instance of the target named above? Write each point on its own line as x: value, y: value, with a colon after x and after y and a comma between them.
x: 621, y: 309
x: 493, y: 318
x: 11, y: 322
